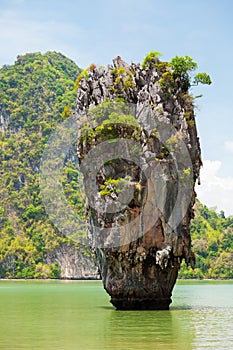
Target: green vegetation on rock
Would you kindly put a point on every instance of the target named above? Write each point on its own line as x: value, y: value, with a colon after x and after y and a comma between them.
x: 177, y: 72
x: 115, y: 186
x: 150, y: 59
x: 107, y: 121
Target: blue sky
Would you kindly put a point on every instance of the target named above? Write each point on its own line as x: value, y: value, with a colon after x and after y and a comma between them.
x: 96, y: 31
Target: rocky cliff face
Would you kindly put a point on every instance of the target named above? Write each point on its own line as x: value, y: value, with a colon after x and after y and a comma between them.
x: 74, y: 263
x: 140, y: 156
x: 4, y: 120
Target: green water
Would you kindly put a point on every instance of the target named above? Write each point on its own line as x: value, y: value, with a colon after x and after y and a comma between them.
x: 77, y: 315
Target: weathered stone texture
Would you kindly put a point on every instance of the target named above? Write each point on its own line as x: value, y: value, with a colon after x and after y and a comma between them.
x: 141, y: 271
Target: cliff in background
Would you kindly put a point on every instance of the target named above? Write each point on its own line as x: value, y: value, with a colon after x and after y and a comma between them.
x: 36, y: 93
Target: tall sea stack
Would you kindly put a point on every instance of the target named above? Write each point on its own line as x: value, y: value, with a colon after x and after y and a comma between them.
x: 140, y: 157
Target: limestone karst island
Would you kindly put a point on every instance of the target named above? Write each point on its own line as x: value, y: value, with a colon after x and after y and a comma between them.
x: 138, y: 133
x: 138, y: 152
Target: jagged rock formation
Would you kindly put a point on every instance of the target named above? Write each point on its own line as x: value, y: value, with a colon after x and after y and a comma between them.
x: 140, y: 156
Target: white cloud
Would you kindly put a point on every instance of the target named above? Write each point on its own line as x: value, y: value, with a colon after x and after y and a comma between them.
x: 215, y: 190
x: 229, y: 146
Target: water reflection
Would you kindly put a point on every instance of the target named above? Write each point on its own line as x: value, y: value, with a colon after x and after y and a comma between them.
x: 146, y: 330
x: 78, y: 316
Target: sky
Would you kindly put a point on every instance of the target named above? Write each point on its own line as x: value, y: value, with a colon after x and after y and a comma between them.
x: 99, y: 30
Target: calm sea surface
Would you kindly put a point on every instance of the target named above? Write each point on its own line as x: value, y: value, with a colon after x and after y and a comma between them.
x: 77, y: 315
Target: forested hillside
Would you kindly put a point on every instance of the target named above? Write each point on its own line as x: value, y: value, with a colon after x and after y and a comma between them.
x: 37, y: 93
x: 212, y: 239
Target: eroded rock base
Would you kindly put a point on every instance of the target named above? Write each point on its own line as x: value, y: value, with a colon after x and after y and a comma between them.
x: 141, y: 304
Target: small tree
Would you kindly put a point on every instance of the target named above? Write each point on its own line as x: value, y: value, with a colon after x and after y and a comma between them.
x: 178, y: 70
x: 183, y: 67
